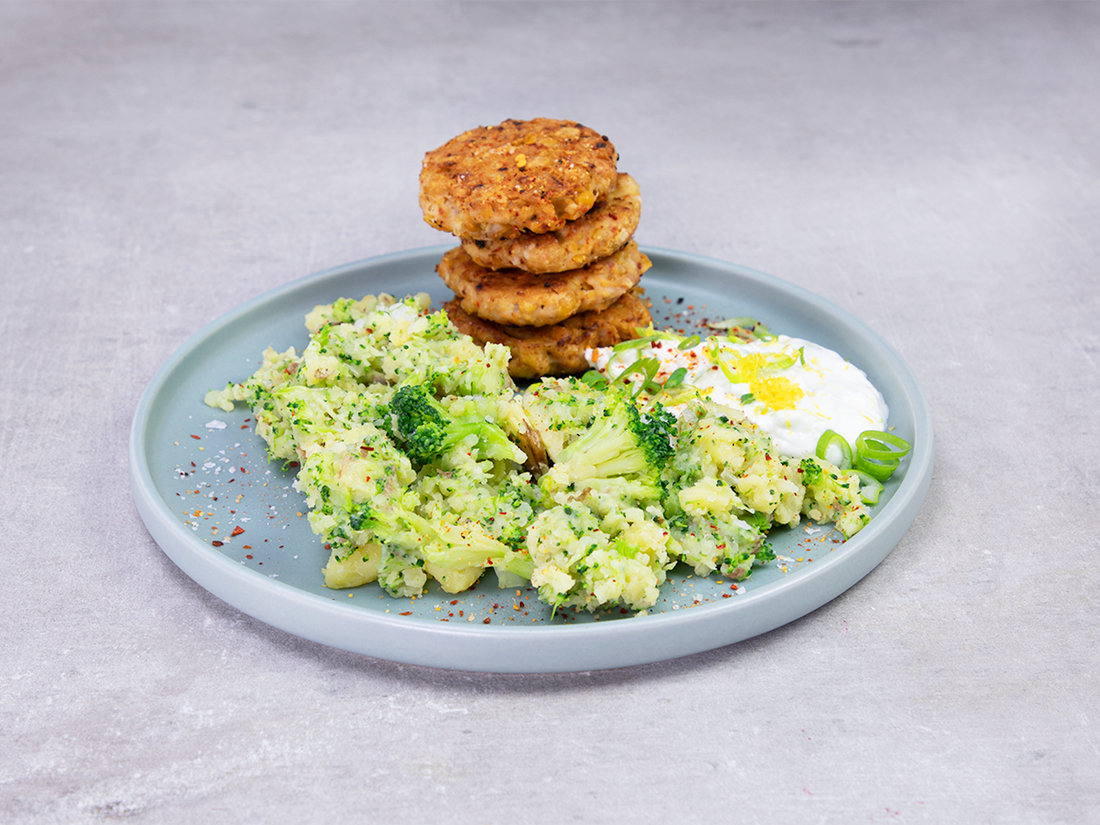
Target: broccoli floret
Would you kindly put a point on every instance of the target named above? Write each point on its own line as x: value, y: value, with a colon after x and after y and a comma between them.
x: 622, y: 442
x: 811, y: 471
x: 428, y: 431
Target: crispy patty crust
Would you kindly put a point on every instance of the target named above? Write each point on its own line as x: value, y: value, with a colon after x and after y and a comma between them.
x: 518, y: 298
x: 603, y: 230
x: 521, y: 176
x: 557, y: 349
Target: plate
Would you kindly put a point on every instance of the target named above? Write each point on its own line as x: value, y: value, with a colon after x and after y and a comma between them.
x: 232, y: 521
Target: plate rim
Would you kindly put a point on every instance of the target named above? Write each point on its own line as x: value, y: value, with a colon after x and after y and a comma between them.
x: 542, y: 648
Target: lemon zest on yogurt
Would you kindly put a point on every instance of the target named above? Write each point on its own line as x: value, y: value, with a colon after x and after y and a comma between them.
x: 774, y: 392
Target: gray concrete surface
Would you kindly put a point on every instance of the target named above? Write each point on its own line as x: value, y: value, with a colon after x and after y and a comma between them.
x: 932, y: 167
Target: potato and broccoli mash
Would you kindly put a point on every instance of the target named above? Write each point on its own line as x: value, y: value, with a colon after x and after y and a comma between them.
x: 421, y: 460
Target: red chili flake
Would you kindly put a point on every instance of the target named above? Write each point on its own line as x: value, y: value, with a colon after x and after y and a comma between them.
x: 217, y: 543
x: 237, y: 530
x: 247, y: 546
x: 454, y: 601
x: 248, y: 556
x: 406, y: 613
x: 197, y: 438
x: 486, y: 620
x: 243, y: 470
x: 733, y: 587
x: 244, y: 426
x: 192, y: 463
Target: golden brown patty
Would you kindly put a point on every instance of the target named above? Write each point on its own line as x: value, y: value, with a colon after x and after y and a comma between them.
x: 604, y: 229
x: 521, y: 176
x: 557, y: 349
x: 524, y: 299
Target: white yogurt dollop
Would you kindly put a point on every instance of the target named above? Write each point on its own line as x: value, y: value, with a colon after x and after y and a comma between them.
x: 792, y: 389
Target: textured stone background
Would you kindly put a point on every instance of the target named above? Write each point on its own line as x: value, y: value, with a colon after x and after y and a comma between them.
x: 932, y: 167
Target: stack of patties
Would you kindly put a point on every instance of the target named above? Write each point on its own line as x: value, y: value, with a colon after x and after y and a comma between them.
x: 548, y: 265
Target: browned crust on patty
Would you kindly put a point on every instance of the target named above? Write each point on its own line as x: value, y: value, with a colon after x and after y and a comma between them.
x: 558, y: 349
x: 606, y: 227
x: 518, y: 298
x: 521, y: 176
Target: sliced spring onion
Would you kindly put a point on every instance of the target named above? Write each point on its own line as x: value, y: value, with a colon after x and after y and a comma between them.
x: 714, y: 353
x: 595, y: 379
x: 647, y: 368
x: 688, y: 343
x: 632, y: 344
x: 881, y: 470
x: 881, y: 446
x: 831, y: 438
x: 676, y: 379
x: 879, y: 453
x: 869, y: 487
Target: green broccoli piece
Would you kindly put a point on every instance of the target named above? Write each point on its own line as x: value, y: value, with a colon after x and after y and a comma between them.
x: 428, y: 431
x: 622, y: 442
x: 811, y: 471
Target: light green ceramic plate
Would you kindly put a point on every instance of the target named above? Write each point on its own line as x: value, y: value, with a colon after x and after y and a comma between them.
x: 232, y: 521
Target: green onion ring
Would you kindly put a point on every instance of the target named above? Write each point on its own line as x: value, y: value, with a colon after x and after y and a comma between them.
x: 881, y: 446
x: 879, y: 453
x: 880, y: 470
x: 869, y: 487
x: 830, y: 438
